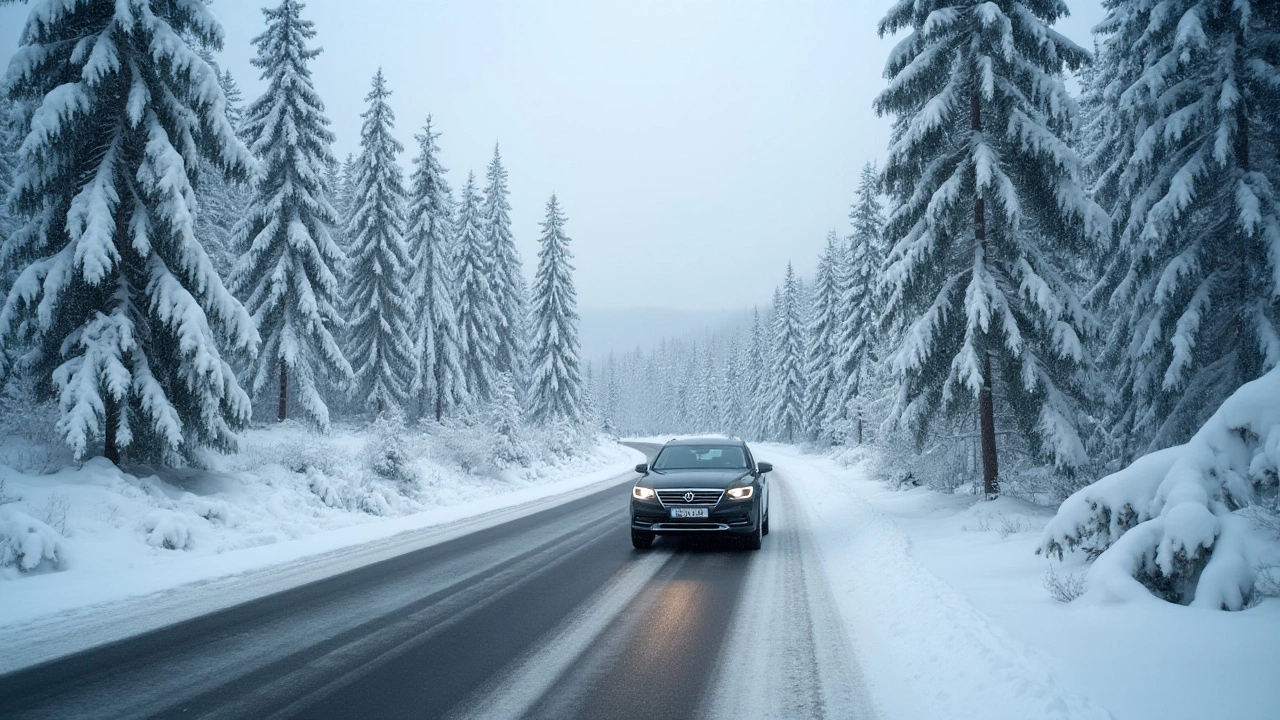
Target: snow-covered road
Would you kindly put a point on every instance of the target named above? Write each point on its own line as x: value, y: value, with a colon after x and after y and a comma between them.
x: 547, y: 615
x: 551, y: 614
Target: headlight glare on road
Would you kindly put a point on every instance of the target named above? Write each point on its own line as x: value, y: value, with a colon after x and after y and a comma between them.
x: 741, y: 493
x: 642, y: 493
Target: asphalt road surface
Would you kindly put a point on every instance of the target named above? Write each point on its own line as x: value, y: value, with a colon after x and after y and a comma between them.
x: 553, y: 615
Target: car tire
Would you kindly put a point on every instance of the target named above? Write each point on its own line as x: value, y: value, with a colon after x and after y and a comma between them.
x: 764, y: 530
x: 641, y: 540
x: 755, y: 539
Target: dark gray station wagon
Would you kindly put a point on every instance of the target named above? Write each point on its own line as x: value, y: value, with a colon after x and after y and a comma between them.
x: 701, y: 485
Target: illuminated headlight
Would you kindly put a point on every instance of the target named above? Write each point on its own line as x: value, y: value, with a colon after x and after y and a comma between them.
x: 642, y: 493
x: 741, y: 493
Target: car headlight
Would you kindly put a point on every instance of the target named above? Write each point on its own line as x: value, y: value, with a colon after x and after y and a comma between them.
x: 741, y: 493
x: 642, y: 493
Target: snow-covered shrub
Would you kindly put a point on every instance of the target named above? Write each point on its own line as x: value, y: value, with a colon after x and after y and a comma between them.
x: 211, y: 509
x: 386, y: 454
x: 297, y: 451
x: 509, y: 448
x: 1176, y: 523
x: 468, y: 445
x: 54, y: 512
x: 28, y: 543
x: 1064, y: 587
x: 167, y: 529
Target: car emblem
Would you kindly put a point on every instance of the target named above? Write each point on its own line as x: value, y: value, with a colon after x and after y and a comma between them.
x: 688, y: 497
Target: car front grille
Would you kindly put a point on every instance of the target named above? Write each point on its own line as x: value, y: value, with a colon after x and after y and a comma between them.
x: 690, y: 497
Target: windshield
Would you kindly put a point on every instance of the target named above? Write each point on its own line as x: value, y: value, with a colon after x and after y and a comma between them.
x: 700, y: 457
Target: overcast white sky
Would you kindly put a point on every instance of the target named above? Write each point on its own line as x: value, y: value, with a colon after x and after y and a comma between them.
x: 696, y: 146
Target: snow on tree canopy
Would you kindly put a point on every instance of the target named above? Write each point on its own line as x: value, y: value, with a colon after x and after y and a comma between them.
x: 987, y: 201
x: 557, y: 375
x: 118, y: 309
x: 858, y: 314
x: 507, y: 279
x: 788, y: 381
x: 439, y: 386
x: 382, y: 348
x: 477, y: 311
x: 1187, y: 93
x: 285, y: 275
x: 820, y: 363
x: 1176, y: 523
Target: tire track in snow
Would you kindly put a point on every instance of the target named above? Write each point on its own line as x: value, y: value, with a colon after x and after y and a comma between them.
x: 789, y: 657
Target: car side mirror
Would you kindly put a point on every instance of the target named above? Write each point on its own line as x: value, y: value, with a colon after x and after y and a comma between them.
x: 643, y: 468
x: 764, y: 467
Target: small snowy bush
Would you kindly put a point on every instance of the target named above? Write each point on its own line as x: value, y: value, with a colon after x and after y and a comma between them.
x: 1064, y: 587
x: 509, y: 448
x: 167, y: 529
x: 28, y: 543
x: 386, y: 454
x: 1177, y: 522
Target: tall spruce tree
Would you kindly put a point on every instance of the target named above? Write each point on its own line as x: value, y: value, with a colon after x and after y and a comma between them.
x: 824, y: 323
x: 285, y: 275
x: 509, y: 291
x: 555, y: 363
x: 788, y: 368
x: 857, y: 308
x: 477, y: 322
x: 117, y: 307
x: 439, y: 387
x: 1188, y: 163
x: 987, y: 196
x: 755, y: 376
x: 382, y: 346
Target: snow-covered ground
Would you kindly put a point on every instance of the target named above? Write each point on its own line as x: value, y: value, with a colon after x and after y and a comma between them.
x: 81, y: 537
x: 945, y: 603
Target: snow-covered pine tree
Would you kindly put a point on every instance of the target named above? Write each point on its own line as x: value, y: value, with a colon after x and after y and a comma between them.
x: 822, y: 383
x: 986, y: 194
x: 857, y: 309
x: 556, y: 373
x: 1189, y: 166
x: 382, y: 345
x: 285, y: 276
x: 118, y: 308
x: 10, y: 141
x: 478, y: 338
x: 755, y: 383
x: 439, y: 386
x: 222, y: 201
x: 731, y: 387
x: 788, y: 369
x: 509, y: 291
x: 504, y: 420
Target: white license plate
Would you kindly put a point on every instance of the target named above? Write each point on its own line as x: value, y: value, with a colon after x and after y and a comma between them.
x: 689, y: 512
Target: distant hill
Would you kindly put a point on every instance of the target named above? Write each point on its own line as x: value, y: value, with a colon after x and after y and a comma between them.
x: 622, y: 331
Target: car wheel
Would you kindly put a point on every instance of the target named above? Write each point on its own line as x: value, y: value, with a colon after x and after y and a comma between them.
x: 755, y: 539
x: 641, y: 540
x: 765, y: 530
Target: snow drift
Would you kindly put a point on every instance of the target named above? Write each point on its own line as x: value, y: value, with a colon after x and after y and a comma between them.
x: 1181, y: 523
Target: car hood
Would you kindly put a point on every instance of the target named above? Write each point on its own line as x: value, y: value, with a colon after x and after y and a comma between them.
x: 711, y: 478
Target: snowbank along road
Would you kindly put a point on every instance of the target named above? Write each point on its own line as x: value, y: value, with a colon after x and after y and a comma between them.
x: 552, y: 615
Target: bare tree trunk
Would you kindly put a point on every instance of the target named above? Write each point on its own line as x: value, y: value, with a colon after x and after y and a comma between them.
x: 987, y: 418
x: 859, y: 427
x: 111, y: 447
x: 284, y: 392
x: 986, y: 403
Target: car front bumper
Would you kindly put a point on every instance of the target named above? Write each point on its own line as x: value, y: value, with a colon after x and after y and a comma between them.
x: 728, y: 516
